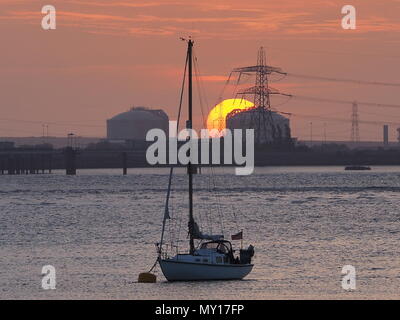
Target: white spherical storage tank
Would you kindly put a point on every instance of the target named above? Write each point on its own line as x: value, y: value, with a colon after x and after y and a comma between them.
x: 268, y: 126
x: 135, y: 123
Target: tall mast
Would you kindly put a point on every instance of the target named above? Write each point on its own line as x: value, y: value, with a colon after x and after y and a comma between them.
x: 189, y: 126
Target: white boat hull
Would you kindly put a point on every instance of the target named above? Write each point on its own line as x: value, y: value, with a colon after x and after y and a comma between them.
x: 174, y: 270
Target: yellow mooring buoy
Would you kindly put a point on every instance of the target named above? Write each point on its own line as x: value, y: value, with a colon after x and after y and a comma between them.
x: 147, y: 277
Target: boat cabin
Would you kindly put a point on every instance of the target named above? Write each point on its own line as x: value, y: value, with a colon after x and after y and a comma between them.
x: 212, y: 252
x: 221, y: 246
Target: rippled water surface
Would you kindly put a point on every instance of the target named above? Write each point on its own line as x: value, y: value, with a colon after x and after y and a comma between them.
x: 98, y: 230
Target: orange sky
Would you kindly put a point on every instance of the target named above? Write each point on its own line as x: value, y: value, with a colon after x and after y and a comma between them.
x: 106, y: 56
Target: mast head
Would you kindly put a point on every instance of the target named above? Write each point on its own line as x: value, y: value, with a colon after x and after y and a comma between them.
x: 190, y: 41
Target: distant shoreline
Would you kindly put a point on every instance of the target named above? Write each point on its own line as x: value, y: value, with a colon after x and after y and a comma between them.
x: 108, y: 159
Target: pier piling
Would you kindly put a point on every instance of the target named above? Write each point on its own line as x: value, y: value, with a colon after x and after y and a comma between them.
x: 70, y: 161
x: 124, y: 163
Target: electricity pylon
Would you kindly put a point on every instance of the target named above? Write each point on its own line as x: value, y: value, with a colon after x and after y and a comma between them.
x: 261, y: 116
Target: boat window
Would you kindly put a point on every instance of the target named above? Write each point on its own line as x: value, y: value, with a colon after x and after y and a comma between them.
x: 197, y: 260
x: 209, y: 245
x: 225, y: 259
x: 205, y: 260
x: 222, y: 248
x: 218, y: 259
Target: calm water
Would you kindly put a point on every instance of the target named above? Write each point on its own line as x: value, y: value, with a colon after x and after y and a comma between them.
x: 98, y: 230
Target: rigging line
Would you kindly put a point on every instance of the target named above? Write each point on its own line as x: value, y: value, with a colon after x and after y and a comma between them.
x: 234, y: 217
x: 179, y: 222
x: 171, y: 233
x: 224, y: 172
x: 201, y: 92
x: 363, y: 82
x: 219, y: 178
x: 216, y: 195
x: 208, y: 106
x: 200, y: 95
x: 207, y: 210
x: 166, y: 214
x: 175, y: 216
x: 210, y: 208
x: 181, y: 95
x: 199, y: 89
x: 181, y: 98
x: 178, y: 218
x: 171, y: 228
x: 196, y: 67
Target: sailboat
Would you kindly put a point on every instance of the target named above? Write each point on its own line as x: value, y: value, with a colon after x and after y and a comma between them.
x: 210, y: 257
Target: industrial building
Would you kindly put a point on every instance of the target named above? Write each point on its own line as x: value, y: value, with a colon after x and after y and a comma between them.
x: 269, y: 127
x: 134, y: 124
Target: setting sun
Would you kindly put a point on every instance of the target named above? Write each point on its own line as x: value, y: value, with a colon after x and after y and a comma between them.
x: 217, y: 116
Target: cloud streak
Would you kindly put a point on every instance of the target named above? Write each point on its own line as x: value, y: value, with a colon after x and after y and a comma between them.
x: 206, y: 19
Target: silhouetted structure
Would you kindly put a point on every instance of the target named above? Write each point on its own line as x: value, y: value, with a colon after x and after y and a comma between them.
x: 70, y: 160
x: 124, y: 163
x: 385, y: 135
x: 135, y: 123
x: 25, y: 163
x: 269, y: 127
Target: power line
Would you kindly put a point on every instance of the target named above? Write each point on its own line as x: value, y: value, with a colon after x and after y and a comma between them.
x: 363, y: 82
x: 321, y: 78
x: 343, y: 120
x: 349, y: 102
x: 372, y: 54
x: 61, y: 124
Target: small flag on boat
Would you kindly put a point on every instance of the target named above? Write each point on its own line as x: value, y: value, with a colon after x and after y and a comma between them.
x: 237, y: 236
